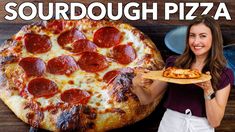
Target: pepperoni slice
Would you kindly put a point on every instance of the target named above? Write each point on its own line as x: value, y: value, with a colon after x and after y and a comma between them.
x: 36, y: 43
x: 83, y: 45
x: 56, y: 26
x: 75, y: 96
x: 107, y: 37
x: 70, y: 36
x: 92, y: 62
x: 62, y: 65
x: 110, y: 76
x: 41, y: 87
x: 33, y: 66
x: 124, y: 54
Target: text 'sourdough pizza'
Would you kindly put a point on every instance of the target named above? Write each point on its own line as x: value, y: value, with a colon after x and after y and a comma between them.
x: 76, y: 75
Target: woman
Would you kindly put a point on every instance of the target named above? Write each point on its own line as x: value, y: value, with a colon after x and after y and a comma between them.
x: 193, y: 107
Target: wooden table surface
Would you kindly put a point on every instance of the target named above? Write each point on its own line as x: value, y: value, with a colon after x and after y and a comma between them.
x: 156, y: 30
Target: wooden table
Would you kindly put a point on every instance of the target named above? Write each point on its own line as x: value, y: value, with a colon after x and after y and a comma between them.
x: 156, y: 30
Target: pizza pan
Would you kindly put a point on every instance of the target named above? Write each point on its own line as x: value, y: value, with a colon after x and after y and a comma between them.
x: 229, y: 53
x: 175, y: 40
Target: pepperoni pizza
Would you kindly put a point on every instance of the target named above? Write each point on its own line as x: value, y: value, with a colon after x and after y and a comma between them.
x: 76, y: 75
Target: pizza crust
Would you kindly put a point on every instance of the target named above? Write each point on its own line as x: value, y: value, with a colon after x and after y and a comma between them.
x: 17, y: 104
x: 134, y: 111
x: 137, y: 113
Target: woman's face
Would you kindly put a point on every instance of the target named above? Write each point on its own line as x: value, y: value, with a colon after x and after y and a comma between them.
x: 200, y: 39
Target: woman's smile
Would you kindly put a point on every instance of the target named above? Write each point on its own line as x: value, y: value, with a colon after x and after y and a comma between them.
x: 200, y: 39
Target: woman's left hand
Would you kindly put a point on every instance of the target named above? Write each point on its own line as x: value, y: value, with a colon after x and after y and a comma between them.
x: 206, y: 86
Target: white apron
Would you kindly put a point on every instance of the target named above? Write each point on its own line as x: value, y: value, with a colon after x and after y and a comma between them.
x: 173, y: 121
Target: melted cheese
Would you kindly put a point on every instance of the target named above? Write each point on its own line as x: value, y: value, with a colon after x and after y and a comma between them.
x: 83, y: 80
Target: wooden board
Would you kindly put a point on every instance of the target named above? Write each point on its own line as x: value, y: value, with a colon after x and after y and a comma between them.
x: 157, y: 75
x: 9, y: 122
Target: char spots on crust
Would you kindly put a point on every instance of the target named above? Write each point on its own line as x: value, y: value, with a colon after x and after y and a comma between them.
x: 35, y: 115
x: 9, y: 51
x: 116, y: 110
x: 69, y: 119
x: 90, y: 112
x: 7, y: 59
x: 35, y: 118
x: 122, y: 85
x: 77, y: 118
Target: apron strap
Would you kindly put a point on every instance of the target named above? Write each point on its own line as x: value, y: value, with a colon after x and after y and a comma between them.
x: 189, y: 127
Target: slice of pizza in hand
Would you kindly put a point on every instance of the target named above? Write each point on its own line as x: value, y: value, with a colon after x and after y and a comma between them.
x: 76, y: 75
x: 178, y: 73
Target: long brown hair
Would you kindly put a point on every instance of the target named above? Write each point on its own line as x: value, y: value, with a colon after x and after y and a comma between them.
x: 215, y: 60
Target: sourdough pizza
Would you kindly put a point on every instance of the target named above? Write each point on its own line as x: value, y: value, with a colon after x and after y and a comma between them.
x: 178, y: 73
x: 76, y: 75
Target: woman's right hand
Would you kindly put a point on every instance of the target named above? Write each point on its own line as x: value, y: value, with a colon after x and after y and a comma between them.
x: 141, y: 87
x: 145, y: 89
x: 139, y: 82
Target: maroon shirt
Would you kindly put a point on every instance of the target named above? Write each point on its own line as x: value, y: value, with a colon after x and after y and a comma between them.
x: 190, y: 96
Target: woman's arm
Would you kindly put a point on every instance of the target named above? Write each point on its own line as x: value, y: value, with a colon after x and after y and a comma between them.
x: 215, y: 107
x: 147, y: 90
